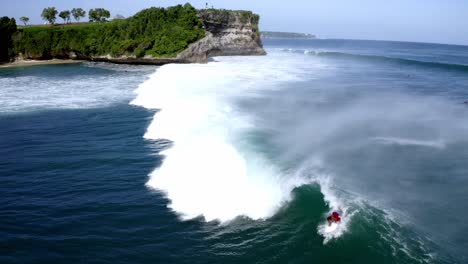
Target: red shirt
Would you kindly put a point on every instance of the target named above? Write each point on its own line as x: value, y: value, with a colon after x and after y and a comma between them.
x: 336, y: 217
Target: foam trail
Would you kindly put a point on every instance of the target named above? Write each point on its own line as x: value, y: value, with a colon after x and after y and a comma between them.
x: 206, y: 172
x: 410, y: 142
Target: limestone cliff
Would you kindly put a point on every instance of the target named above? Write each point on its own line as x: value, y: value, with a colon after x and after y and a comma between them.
x: 228, y: 33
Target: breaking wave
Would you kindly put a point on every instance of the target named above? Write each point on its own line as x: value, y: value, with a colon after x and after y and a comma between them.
x: 212, y: 170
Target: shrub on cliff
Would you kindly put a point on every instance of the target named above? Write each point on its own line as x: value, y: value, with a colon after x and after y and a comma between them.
x: 7, y: 29
x: 160, y: 32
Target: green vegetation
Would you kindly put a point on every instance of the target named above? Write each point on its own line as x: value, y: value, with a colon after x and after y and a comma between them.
x: 25, y: 20
x: 49, y: 14
x: 155, y: 31
x: 98, y: 15
x: 78, y: 13
x: 255, y: 19
x: 7, y: 29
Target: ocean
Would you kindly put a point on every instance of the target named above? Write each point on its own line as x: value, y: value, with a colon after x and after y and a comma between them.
x: 240, y: 160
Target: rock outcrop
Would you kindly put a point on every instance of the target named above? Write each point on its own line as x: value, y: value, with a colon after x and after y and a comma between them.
x: 228, y: 33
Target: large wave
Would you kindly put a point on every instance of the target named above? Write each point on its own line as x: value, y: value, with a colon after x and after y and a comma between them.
x: 212, y: 170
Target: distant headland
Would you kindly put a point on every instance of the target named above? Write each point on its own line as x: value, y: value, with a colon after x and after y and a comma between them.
x: 273, y: 34
x: 180, y: 34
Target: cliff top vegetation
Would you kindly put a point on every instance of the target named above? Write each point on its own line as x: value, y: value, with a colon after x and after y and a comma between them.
x: 159, y: 32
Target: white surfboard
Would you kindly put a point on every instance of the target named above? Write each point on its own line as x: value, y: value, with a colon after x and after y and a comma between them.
x: 331, y: 228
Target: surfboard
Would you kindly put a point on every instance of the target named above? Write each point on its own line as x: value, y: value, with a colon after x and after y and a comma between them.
x: 331, y: 228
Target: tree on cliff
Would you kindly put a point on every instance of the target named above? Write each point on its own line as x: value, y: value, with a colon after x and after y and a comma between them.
x: 65, y: 15
x: 25, y: 20
x: 7, y: 29
x: 78, y: 13
x: 49, y: 14
x: 98, y: 15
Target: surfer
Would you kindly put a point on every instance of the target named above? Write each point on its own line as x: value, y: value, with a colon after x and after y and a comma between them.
x: 333, y: 218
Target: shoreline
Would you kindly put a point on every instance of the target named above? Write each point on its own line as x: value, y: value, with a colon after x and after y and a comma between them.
x: 24, y: 63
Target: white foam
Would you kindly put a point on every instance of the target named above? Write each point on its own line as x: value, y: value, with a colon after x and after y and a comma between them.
x: 24, y: 90
x: 206, y: 172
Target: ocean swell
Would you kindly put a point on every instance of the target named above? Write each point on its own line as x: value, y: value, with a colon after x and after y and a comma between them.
x: 388, y: 59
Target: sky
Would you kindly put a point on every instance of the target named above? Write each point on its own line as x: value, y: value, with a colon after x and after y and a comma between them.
x: 437, y: 21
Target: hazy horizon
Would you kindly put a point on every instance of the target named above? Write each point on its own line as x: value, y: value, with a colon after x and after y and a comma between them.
x: 429, y: 21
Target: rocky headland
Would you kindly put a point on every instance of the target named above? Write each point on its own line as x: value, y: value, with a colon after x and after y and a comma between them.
x: 224, y: 33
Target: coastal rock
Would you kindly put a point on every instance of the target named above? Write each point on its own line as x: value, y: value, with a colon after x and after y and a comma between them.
x: 228, y: 33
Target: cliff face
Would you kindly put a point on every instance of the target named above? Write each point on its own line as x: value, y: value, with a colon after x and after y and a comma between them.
x: 228, y: 33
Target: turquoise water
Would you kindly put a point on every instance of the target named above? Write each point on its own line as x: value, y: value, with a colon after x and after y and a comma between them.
x: 239, y: 160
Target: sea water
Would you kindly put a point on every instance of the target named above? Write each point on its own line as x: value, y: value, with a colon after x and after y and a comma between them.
x: 240, y: 160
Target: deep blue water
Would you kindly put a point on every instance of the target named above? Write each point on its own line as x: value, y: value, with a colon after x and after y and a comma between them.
x: 378, y: 128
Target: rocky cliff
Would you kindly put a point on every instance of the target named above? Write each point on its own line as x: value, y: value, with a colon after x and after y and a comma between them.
x: 228, y: 33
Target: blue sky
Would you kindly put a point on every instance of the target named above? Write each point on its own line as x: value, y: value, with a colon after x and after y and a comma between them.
x: 440, y: 21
